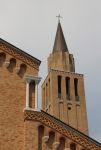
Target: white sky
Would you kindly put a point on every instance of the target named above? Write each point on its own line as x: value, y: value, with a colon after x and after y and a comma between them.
x: 31, y: 25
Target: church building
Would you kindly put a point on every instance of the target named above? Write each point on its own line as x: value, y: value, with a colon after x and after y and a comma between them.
x: 61, y: 123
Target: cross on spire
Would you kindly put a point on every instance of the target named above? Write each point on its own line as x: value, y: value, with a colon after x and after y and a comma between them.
x: 59, y: 17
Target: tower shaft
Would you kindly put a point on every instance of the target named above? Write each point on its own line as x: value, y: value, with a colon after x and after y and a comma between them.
x: 63, y: 94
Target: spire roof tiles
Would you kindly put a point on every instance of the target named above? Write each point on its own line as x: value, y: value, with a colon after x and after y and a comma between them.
x: 60, y: 43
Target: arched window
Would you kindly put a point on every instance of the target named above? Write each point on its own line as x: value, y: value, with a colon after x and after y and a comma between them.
x: 2, y: 58
x: 76, y: 89
x: 70, y: 60
x: 68, y: 88
x: 40, y: 136
x: 43, y: 96
x: 59, y: 86
x: 12, y: 64
x: 49, y: 90
x: 76, y: 86
x: 72, y: 146
x: 32, y: 94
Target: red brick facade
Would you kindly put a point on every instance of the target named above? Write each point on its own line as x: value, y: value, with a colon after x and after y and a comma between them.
x: 13, y: 98
x: 23, y: 126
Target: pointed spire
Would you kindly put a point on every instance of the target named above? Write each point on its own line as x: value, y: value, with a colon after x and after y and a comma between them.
x: 60, y: 43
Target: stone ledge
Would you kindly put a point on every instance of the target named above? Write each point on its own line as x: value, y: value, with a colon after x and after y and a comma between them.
x: 32, y: 109
x: 56, y: 145
x: 45, y: 139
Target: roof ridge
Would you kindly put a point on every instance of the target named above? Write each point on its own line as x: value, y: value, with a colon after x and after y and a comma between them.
x: 18, y: 53
x: 20, y: 50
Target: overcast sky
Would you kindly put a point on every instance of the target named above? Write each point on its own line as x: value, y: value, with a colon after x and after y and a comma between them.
x: 31, y: 25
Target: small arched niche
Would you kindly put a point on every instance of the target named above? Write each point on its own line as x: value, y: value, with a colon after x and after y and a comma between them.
x: 72, y: 146
x: 12, y: 64
x: 22, y: 70
x: 2, y: 58
x: 51, y: 139
x: 62, y: 143
x: 40, y: 136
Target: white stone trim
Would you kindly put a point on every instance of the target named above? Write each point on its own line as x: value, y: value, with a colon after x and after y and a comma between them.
x: 27, y: 94
x: 32, y: 109
x: 32, y: 78
x: 36, y: 95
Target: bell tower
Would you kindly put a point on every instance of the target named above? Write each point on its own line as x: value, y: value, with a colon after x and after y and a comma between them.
x: 63, y: 94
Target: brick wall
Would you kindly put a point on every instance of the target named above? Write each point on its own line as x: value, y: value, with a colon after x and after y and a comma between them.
x: 12, y: 104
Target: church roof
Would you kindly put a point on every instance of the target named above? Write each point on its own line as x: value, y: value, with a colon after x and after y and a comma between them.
x: 60, y: 43
x: 64, y: 129
x: 18, y: 53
